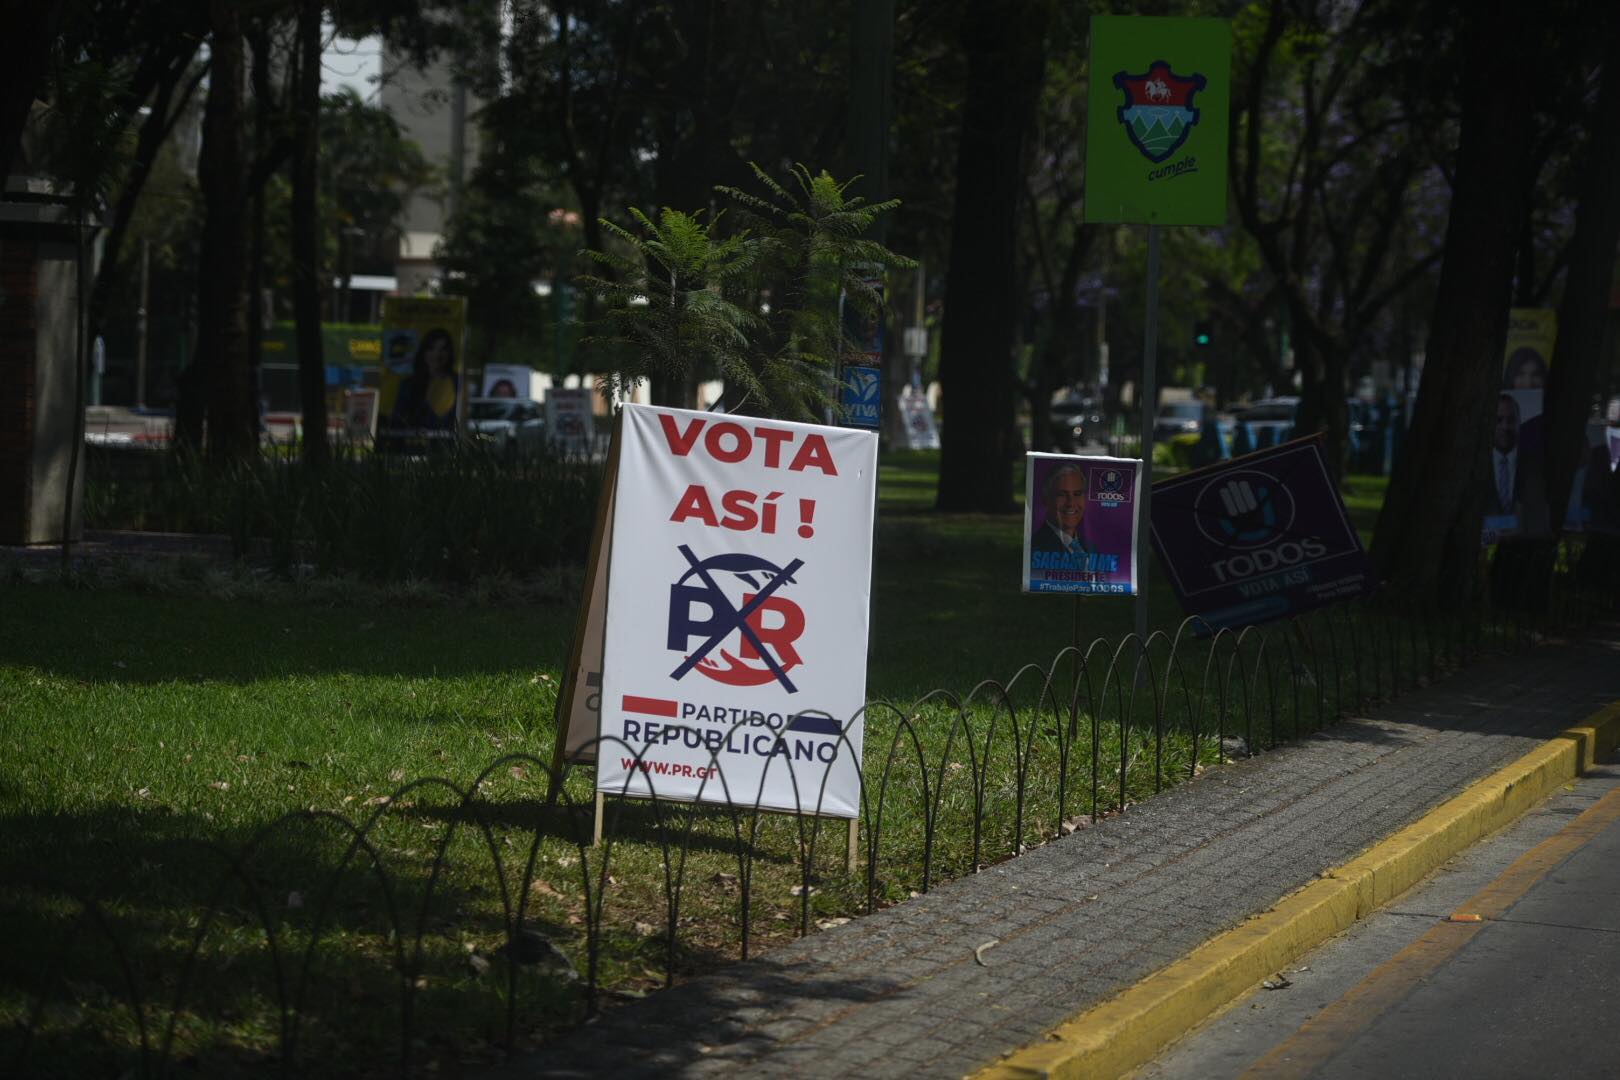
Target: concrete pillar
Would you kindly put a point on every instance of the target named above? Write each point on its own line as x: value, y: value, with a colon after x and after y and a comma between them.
x: 39, y: 309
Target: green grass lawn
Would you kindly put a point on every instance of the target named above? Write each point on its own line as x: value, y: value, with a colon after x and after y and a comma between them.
x: 141, y: 726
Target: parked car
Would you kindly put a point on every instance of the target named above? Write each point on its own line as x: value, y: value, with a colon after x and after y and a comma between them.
x: 1185, y: 417
x: 509, y: 425
x: 1077, y: 419
x: 1269, y: 409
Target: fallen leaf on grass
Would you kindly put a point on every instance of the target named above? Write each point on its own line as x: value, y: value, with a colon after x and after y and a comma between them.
x: 724, y: 880
x: 544, y: 888
x: 645, y: 929
x: 220, y: 785
x: 800, y: 890
x: 397, y: 775
x: 143, y: 793
x: 828, y: 924
x: 380, y: 800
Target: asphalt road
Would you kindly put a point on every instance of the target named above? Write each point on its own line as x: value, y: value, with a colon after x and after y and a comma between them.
x: 1531, y: 989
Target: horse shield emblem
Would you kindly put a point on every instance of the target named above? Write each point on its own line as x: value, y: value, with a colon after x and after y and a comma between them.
x: 1158, y: 113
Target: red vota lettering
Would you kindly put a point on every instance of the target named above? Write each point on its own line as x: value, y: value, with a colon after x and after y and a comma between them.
x: 730, y: 442
x: 773, y: 438
x: 741, y: 445
x: 813, y: 454
x: 680, y: 442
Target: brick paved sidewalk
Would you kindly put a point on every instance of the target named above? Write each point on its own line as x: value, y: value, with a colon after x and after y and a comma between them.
x: 1084, y: 917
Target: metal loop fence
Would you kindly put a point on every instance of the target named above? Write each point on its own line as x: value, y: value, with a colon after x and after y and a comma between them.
x: 473, y: 920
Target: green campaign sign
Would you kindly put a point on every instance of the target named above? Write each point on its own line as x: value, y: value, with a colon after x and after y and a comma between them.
x: 1156, y: 127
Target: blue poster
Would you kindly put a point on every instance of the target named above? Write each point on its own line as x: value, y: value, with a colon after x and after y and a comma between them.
x: 861, y: 396
x: 1259, y: 537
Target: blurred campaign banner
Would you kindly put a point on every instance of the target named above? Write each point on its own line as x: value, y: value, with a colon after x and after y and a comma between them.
x: 360, y: 414
x: 1258, y: 537
x: 1516, y: 503
x: 1531, y: 335
x: 921, y: 434
x: 739, y: 566
x: 860, y: 395
x: 1080, y: 524
x: 570, y: 424
x: 508, y: 381
x: 420, y: 379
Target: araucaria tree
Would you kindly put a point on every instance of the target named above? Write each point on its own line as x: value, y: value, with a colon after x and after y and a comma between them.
x: 761, y: 308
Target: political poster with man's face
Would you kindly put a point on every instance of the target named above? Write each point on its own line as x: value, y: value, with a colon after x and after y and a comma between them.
x: 1080, y: 524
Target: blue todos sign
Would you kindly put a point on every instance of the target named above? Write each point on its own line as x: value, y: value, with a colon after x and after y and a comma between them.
x: 1259, y: 537
x: 861, y: 395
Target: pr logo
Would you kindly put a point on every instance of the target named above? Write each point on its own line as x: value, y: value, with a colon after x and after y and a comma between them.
x: 1158, y: 113
x: 1244, y: 509
x: 738, y: 594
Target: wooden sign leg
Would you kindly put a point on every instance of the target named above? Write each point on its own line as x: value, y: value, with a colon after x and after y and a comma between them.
x: 596, y: 829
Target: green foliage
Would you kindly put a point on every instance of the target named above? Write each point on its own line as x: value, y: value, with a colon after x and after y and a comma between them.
x: 454, y: 516
x: 683, y: 297
x: 511, y: 229
x: 667, y: 304
x: 813, y: 252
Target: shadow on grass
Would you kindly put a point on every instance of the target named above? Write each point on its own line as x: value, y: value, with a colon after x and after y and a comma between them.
x: 310, y: 947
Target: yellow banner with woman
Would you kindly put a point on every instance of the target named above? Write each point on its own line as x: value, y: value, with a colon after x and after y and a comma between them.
x: 420, y: 396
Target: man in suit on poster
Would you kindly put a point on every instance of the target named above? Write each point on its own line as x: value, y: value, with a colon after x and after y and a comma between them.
x: 1064, y: 497
x: 1516, y: 481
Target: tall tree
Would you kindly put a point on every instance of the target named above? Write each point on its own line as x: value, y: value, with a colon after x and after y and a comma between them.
x: 1005, y: 47
x: 1426, y: 545
x: 222, y: 375
x: 1327, y: 163
x: 1584, y: 313
x: 306, y: 233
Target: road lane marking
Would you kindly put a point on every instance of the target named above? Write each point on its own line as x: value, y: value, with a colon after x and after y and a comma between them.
x: 1326, y: 1033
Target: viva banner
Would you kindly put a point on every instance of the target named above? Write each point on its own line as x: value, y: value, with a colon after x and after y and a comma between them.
x: 739, y: 583
x: 1080, y: 524
x: 1156, y: 135
x: 420, y: 380
x: 1259, y: 537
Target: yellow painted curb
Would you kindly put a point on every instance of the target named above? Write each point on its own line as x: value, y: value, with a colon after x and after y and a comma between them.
x: 1120, y: 1034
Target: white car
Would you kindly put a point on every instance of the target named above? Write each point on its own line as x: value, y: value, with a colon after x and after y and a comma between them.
x: 509, y: 425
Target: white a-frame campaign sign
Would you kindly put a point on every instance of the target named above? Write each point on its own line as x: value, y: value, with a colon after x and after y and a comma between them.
x: 720, y: 653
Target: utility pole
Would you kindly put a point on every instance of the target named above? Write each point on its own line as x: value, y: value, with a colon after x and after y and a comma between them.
x: 140, y: 324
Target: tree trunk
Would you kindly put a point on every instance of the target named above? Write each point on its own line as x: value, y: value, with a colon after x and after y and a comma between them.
x: 30, y: 29
x: 154, y: 131
x: 1573, y: 378
x: 221, y: 332
x: 1005, y: 45
x: 1426, y: 545
x: 306, y: 236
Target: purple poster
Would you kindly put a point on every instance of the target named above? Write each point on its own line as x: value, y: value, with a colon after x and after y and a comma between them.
x: 1080, y: 524
x: 1258, y: 537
